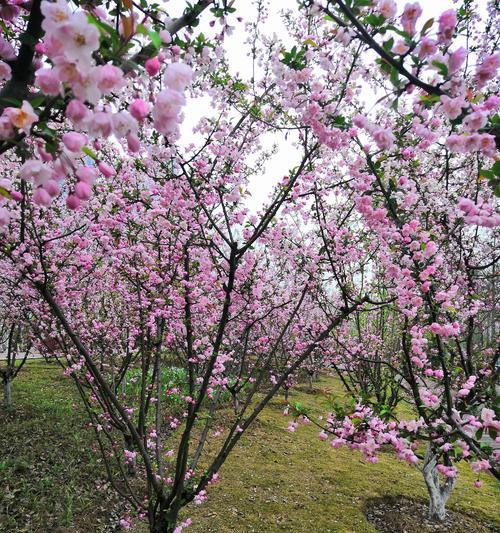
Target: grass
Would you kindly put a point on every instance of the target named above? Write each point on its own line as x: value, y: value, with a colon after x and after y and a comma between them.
x: 277, y: 481
x: 48, y: 472
x: 273, y: 481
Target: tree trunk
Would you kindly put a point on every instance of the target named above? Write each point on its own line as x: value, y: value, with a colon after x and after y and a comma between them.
x: 236, y: 404
x: 131, y: 462
x: 438, y: 494
x: 7, y: 398
x: 311, y: 379
x: 164, y: 521
x: 286, y: 394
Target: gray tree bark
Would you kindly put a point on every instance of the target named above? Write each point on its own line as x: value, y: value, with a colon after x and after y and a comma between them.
x: 438, y: 493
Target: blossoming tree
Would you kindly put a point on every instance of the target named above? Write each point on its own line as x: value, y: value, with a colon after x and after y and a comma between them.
x: 139, y: 253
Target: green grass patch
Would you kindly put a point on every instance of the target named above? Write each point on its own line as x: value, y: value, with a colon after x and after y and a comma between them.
x: 48, y: 472
x: 273, y: 480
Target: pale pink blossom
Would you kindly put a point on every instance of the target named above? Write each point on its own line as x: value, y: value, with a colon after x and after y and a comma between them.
x: 22, y: 117
x: 55, y: 14
x: 35, y: 171
x: 4, y: 217
x: 5, y: 71
x: 48, y: 81
x: 456, y: 59
x: 387, y: 8
x: 447, y: 22
x: 7, y: 51
x: 452, y: 107
x: 73, y: 202
x: 109, y: 78
x: 427, y: 47
x: 384, y: 138
x: 409, y: 18
x: 74, y: 141
x: 80, y: 38
x: 139, y: 109
x: 178, y: 76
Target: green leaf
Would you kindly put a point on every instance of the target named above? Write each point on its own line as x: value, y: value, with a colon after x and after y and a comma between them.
x: 155, y: 39
x: 310, y: 42
x: 387, y: 45
x: 5, y: 193
x: 496, y: 168
x: 394, y: 77
x: 104, y: 29
x: 429, y: 99
x: 484, y: 173
x: 8, y: 100
x: 86, y: 150
x: 374, y: 20
x: 427, y: 26
x: 406, y: 36
x: 37, y: 101
x: 442, y: 68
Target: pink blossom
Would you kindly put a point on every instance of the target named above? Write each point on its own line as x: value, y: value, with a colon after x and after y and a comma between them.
x: 427, y: 47
x: 133, y: 142
x: 165, y: 37
x: 74, y: 141
x: 387, y: 8
x: 488, y: 417
x: 101, y: 124
x: 48, y: 81
x: 80, y: 38
x: 447, y: 471
x: 384, y: 138
x: 409, y: 18
x: 487, y: 69
x: 52, y: 187
x: 4, y: 217
x: 360, y: 121
x: 106, y: 170
x: 167, y: 110
x: 456, y: 143
x: 479, y: 466
x: 86, y: 174
x: 22, y: 117
x: 456, y: 59
x: 109, y: 78
x: 73, y: 202
x: 77, y: 112
x: 55, y: 14
x: 83, y: 190
x: 452, y: 106
x: 5, y: 71
x: 139, y: 109
x: 7, y: 51
x: 152, y: 66
x: 35, y: 171
x: 178, y: 76
x: 41, y: 197
x: 475, y: 121
x: 400, y: 48
x: 447, y: 22
x: 123, y: 124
